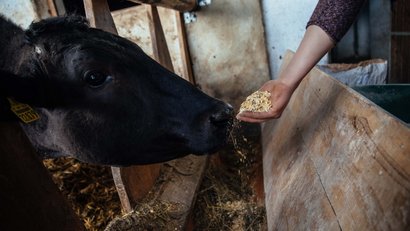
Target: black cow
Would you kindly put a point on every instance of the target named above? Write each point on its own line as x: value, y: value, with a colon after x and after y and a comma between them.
x: 101, y: 99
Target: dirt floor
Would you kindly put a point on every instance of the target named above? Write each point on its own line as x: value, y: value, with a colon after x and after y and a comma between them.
x: 229, y: 197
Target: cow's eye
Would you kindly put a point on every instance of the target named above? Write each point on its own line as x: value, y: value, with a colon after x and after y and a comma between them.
x: 95, y: 79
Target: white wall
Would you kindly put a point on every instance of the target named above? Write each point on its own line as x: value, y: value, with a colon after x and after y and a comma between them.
x: 285, y: 23
x: 23, y: 12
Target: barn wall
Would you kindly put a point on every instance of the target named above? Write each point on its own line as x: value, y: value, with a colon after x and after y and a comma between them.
x: 228, y: 49
x: 285, y: 23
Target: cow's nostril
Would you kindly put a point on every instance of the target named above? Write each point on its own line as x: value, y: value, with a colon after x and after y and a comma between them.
x: 222, y: 117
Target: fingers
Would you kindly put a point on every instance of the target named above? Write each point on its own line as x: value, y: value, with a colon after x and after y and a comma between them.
x: 257, y: 117
x: 271, y: 114
x: 249, y: 119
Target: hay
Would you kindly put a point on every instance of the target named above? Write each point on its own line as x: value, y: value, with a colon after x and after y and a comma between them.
x: 89, y: 188
x: 257, y: 102
x: 226, y: 200
x: 150, y: 215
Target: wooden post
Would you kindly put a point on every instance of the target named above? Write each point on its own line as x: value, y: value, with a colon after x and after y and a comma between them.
x: 178, y: 5
x: 134, y: 182
x: 187, y: 74
x: 400, y: 42
x: 99, y: 15
x: 159, y: 44
x: 52, y: 8
x: 29, y: 199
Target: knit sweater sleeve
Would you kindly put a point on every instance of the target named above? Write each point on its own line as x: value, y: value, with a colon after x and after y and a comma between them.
x: 335, y: 16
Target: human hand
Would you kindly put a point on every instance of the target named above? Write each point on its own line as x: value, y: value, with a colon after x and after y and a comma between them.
x: 280, y: 96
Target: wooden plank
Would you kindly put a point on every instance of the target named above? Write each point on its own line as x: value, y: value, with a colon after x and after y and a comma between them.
x: 52, y: 8
x: 179, y: 5
x: 181, y: 187
x: 183, y: 44
x: 134, y: 182
x: 28, y: 197
x: 400, y: 56
x: 99, y: 15
x: 159, y: 44
x: 400, y: 16
x: 400, y: 42
x: 336, y: 161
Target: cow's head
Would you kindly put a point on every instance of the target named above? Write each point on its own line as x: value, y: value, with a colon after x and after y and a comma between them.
x: 103, y: 100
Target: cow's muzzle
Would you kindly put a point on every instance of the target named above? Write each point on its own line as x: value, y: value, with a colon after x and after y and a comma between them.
x: 222, y: 117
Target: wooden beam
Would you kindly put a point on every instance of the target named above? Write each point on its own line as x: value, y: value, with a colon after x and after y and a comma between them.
x: 134, y: 182
x: 99, y: 15
x: 29, y: 198
x: 178, y: 5
x: 335, y: 161
x: 52, y: 8
x: 159, y: 43
x: 187, y: 74
x: 400, y: 42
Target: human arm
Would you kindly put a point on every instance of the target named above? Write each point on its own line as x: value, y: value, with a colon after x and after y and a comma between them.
x: 327, y: 25
x: 315, y: 44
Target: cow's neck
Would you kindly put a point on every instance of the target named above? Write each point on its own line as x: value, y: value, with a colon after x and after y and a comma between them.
x: 11, y: 45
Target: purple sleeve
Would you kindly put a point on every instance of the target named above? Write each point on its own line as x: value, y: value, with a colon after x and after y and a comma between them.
x: 335, y: 16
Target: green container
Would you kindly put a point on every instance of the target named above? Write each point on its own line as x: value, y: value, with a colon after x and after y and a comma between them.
x: 394, y: 98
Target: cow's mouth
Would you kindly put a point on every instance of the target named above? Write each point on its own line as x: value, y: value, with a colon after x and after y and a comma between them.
x: 216, y: 132
x: 222, y: 118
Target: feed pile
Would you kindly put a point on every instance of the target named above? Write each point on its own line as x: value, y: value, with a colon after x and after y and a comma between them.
x: 226, y: 198
x: 259, y: 101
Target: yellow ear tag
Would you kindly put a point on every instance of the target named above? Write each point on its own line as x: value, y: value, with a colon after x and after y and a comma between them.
x: 23, y: 111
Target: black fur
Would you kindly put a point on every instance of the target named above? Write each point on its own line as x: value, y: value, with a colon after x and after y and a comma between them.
x: 54, y: 25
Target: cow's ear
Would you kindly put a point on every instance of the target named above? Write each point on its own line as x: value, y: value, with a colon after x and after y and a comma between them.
x: 23, y: 89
